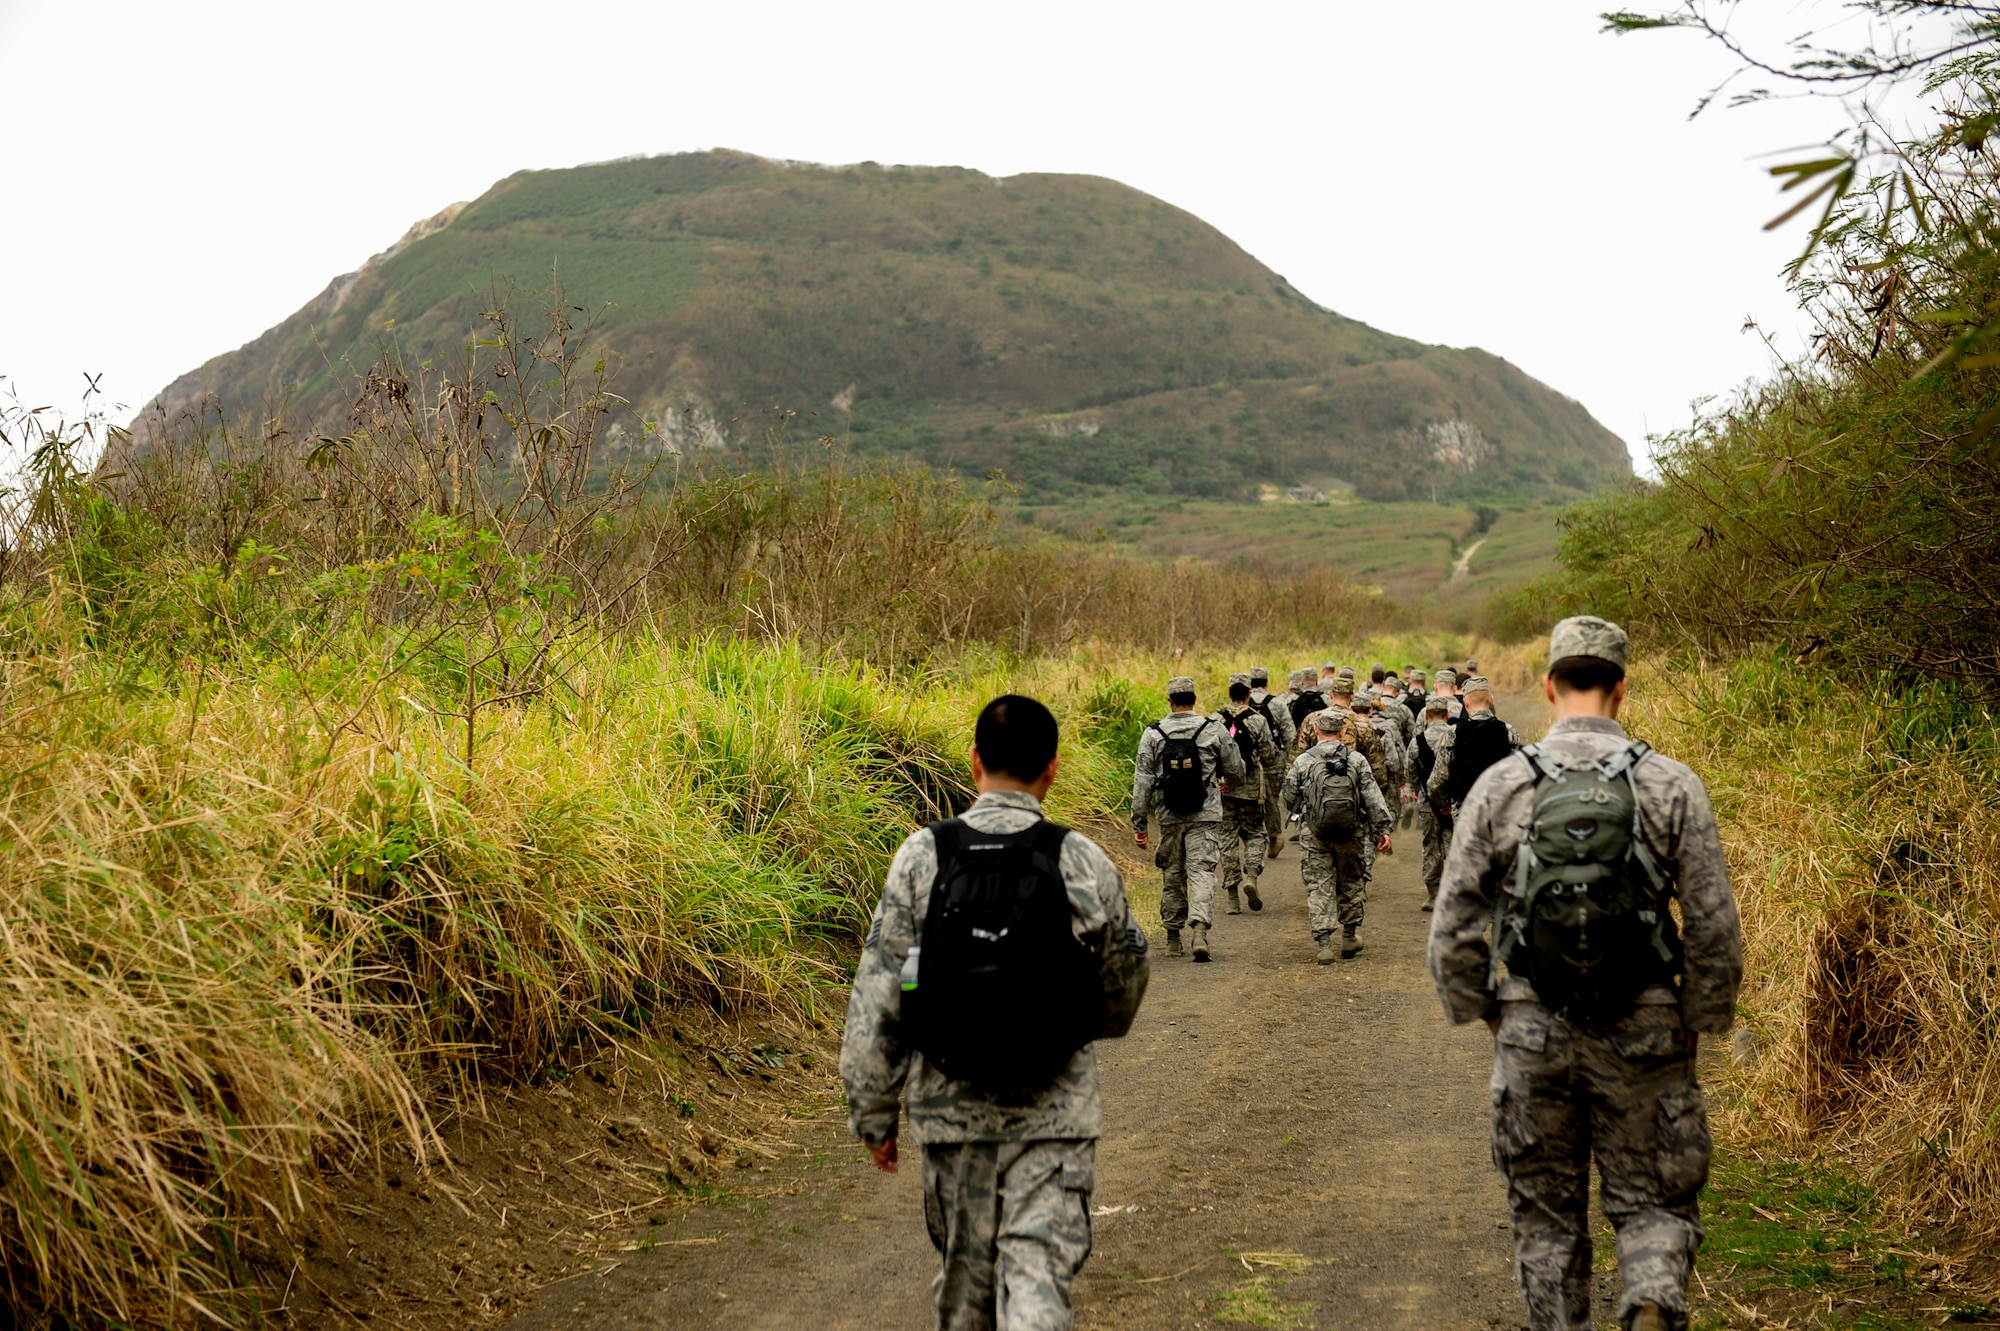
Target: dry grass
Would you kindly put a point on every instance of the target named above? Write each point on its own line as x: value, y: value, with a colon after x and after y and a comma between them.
x: 1865, y: 847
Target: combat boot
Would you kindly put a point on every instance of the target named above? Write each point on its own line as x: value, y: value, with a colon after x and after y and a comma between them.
x: 1326, y: 953
x: 1649, y: 1317
x: 1350, y: 944
x: 1271, y: 851
x: 1201, y: 942
x: 1235, y: 902
x: 1250, y: 895
x: 1174, y: 943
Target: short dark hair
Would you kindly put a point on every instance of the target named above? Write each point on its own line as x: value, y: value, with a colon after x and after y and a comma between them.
x: 1239, y: 693
x: 1180, y: 699
x: 1585, y: 674
x: 1015, y: 735
x: 1377, y: 675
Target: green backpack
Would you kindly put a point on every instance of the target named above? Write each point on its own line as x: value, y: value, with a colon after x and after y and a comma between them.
x: 1585, y: 920
x: 1335, y: 805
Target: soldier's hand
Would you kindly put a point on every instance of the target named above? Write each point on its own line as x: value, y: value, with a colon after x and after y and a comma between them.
x: 1139, y: 838
x: 885, y: 1156
x: 1382, y: 845
x: 1493, y: 1024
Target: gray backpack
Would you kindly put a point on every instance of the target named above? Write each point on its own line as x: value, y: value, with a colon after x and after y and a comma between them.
x: 1585, y: 920
x: 1334, y: 808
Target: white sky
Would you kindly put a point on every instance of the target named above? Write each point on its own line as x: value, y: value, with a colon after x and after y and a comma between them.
x: 182, y: 176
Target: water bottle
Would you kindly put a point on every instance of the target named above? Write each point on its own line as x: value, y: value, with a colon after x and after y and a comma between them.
x: 909, y: 975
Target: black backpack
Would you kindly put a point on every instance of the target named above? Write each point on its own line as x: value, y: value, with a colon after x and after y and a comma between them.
x: 1183, y: 786
x: 1303, y: 706
x: 1479, y: 743
x: 1006, y: 993
x: 1246, y: 741
x: 1585, y: 920
x: 1263, y: 709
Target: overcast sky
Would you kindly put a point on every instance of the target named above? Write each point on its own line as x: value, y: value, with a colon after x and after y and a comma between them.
x: 182, y: 176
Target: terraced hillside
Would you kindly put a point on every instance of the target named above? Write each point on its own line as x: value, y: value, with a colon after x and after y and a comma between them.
x: 1078, y: 334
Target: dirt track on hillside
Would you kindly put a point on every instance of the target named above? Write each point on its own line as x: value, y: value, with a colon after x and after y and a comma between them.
x: 1304, y: 1145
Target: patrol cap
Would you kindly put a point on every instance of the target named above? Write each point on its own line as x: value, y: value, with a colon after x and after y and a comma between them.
x: 1476, y: 684
x: 1259, y: 676
x: 1587, y: 635
x: 1180, y: 684
x: 1447, y: 676
x: 1309, y: 672
x: 1376, y: 666
x: 1438, y: 703
x: 1471, y: 665
x: 1329, y: 667
x: 1362, y: 703
x: 1342, y: 687
x: 1418, y: 673
x: 1330, y: 720
x: 1296, y: 678
x: 1345, y: 672
x: 1239, y: 677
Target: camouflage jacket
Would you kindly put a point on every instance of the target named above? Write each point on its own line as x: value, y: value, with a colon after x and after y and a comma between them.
x: 1262, y: 744
x: 1680, y: 830
x: 1442, y: 747
x: 1395, y: 758
x: 1220, y: 762
x: 1368, y: 742
x: 1405, y: 719
x: 877, y: 1070
x: 1310, y: 767
x: 1280, y: 709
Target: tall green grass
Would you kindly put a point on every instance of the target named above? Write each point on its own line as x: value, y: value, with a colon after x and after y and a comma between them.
x: 1864, y: 841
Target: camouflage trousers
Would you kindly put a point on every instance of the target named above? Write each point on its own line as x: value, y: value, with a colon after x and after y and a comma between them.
x: 1437, y: 844
x: 1628, y: 1097
x: 1274, y: 810
x: 1241, y: 842
x: 1012, y: 1222
x: 1334, y: 882
x: 1188, y: 853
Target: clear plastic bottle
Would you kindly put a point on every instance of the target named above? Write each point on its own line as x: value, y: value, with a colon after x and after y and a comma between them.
x: 909, y: 975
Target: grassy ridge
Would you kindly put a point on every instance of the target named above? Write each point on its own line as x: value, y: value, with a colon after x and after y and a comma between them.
x: 1079, y: 334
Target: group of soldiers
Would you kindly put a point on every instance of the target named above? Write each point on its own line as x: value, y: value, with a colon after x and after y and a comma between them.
x: 1550, y: 870
x: 1387, y: 746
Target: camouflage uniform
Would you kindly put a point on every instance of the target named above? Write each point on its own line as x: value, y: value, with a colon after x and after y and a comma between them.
x: 1280, y: 716
x: 1563, y: 1092
x: 1242, y: 828
x: 1447, y: 684
x: 1007, y: 1177
x: 1333, y: 871
x: 1190, y: 844
x: 1435, y: 826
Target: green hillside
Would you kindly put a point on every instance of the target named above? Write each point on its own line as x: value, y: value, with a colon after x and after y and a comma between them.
x: 1077, y: 333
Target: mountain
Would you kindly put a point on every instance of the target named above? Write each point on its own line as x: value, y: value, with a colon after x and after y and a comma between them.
x: 1070, y: 330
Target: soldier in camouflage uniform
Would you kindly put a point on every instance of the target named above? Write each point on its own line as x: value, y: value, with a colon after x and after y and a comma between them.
x: 1446, y: 686
x: 1566, y: 1090
x: 1276, y: 710
x: 1432, y: 822
x: 1242, y: 828
x: 1007, y: 1176
x: 1477, y: 700
x: 1363, y: 737
x: 1332, y: 870
x: 1190, y: 844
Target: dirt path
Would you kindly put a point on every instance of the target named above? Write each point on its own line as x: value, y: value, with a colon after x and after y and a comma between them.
x: 1463, y: 568
x: 1295, y: 1144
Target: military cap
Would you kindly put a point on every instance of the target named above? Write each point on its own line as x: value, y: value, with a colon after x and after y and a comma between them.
x: 1309, y: 672
x: 1476, y: 684
x: 1345, y: 672
x: 1329, y: 667
x: 1419, y: 674
x: 1438, y: 703
x: 1296, y: 678
x: 1259, y: 676
x: 1587, y: 635
x: 1330, y: 720
x: 1342, y: 687
x: 1377, y: 666
x: 1447, y: 676
x: 1239, y: 677
x: 1471, y: 665
x: 1392, y: 683
x: 1362, y: 703
x: 1180, y: 684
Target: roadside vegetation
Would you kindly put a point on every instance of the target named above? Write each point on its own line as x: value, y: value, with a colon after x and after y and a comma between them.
x: 350, y: 774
